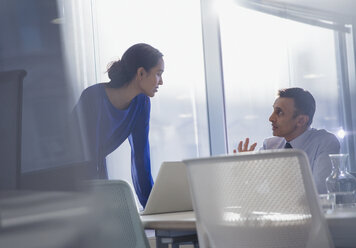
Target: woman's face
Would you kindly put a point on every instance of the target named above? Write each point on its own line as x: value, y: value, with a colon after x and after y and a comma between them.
x: 151, y: 80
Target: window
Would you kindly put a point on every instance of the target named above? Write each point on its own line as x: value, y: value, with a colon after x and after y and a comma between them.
x: 263, y: 51
x: 178, y: 126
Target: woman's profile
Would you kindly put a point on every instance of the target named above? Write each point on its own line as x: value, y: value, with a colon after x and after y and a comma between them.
x: 109, y: 113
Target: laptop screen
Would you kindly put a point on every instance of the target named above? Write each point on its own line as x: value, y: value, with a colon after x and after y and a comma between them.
x: 170, y: 192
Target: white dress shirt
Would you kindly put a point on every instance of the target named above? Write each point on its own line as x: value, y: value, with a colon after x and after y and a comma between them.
x: 317, y: 144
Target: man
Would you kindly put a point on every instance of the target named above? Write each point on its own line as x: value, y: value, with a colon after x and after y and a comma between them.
x: 292, y: 116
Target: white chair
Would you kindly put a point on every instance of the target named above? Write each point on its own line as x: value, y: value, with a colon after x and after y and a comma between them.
x: 122, y: 226
x: 257, y: 199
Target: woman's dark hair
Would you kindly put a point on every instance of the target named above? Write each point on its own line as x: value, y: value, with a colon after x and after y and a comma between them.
x: 121, y: 72
x: 303, y: 100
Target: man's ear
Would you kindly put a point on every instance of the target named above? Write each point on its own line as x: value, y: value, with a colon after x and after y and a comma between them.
x: 302, y: 120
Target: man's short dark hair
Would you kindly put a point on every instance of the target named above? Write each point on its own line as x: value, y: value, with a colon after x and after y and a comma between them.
x: 304, y: 101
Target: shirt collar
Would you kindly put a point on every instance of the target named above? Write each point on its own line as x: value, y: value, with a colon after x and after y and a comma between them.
x: 300, y: 140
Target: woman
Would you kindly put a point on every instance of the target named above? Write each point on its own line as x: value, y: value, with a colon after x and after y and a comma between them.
x: 108, y: 113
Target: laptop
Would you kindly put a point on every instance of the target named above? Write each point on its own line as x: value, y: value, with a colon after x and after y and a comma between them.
x: 170, y: 192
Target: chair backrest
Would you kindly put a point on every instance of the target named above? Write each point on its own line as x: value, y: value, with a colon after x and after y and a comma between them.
x: 40, y: 219
x: 122, y: 226
x: 10, y: 127
x: 257, y: 199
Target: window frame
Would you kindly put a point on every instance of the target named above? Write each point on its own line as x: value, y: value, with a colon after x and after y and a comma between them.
x: 345, y: 40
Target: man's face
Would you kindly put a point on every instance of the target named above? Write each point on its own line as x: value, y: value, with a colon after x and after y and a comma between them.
x: 283, y: 119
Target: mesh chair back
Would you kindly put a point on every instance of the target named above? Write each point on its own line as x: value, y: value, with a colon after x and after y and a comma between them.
x: 122, y: 226
x: 264, y: 199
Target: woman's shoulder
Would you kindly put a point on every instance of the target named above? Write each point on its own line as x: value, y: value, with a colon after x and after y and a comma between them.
x: 140, y: 100
x: 143, y: 98
x: 93, y: 91
x: 95, y: 88
x: 91, y: 96
x: 142, y: 103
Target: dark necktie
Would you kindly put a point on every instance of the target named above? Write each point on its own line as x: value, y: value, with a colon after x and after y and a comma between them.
x: 287, y: 146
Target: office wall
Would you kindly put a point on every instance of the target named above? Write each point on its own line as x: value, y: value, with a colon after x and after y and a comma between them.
x: 30, y: 40
x: 65, y: 46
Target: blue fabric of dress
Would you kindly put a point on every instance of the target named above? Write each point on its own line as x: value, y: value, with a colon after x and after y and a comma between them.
x: 105, y: 128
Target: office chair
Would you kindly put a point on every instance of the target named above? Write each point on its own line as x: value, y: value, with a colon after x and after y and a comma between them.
x: 42, y: 219
x: 123, y: 226
x: 10, y: 127
x: 257, y: 199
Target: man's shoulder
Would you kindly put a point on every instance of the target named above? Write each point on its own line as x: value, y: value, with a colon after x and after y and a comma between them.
x: 324, y: 138
x: 274, y: 139
x: 273, y: 142
x: 322, y: 134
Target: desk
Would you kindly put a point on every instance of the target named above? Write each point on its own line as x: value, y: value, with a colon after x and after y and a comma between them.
x: 169, y: 221
x: 342, y: 225
x: 171, y: 227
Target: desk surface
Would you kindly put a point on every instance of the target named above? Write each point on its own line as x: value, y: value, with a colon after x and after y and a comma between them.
x: 168, y: 221
x: 342, y: 224
x: 186, y: 220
